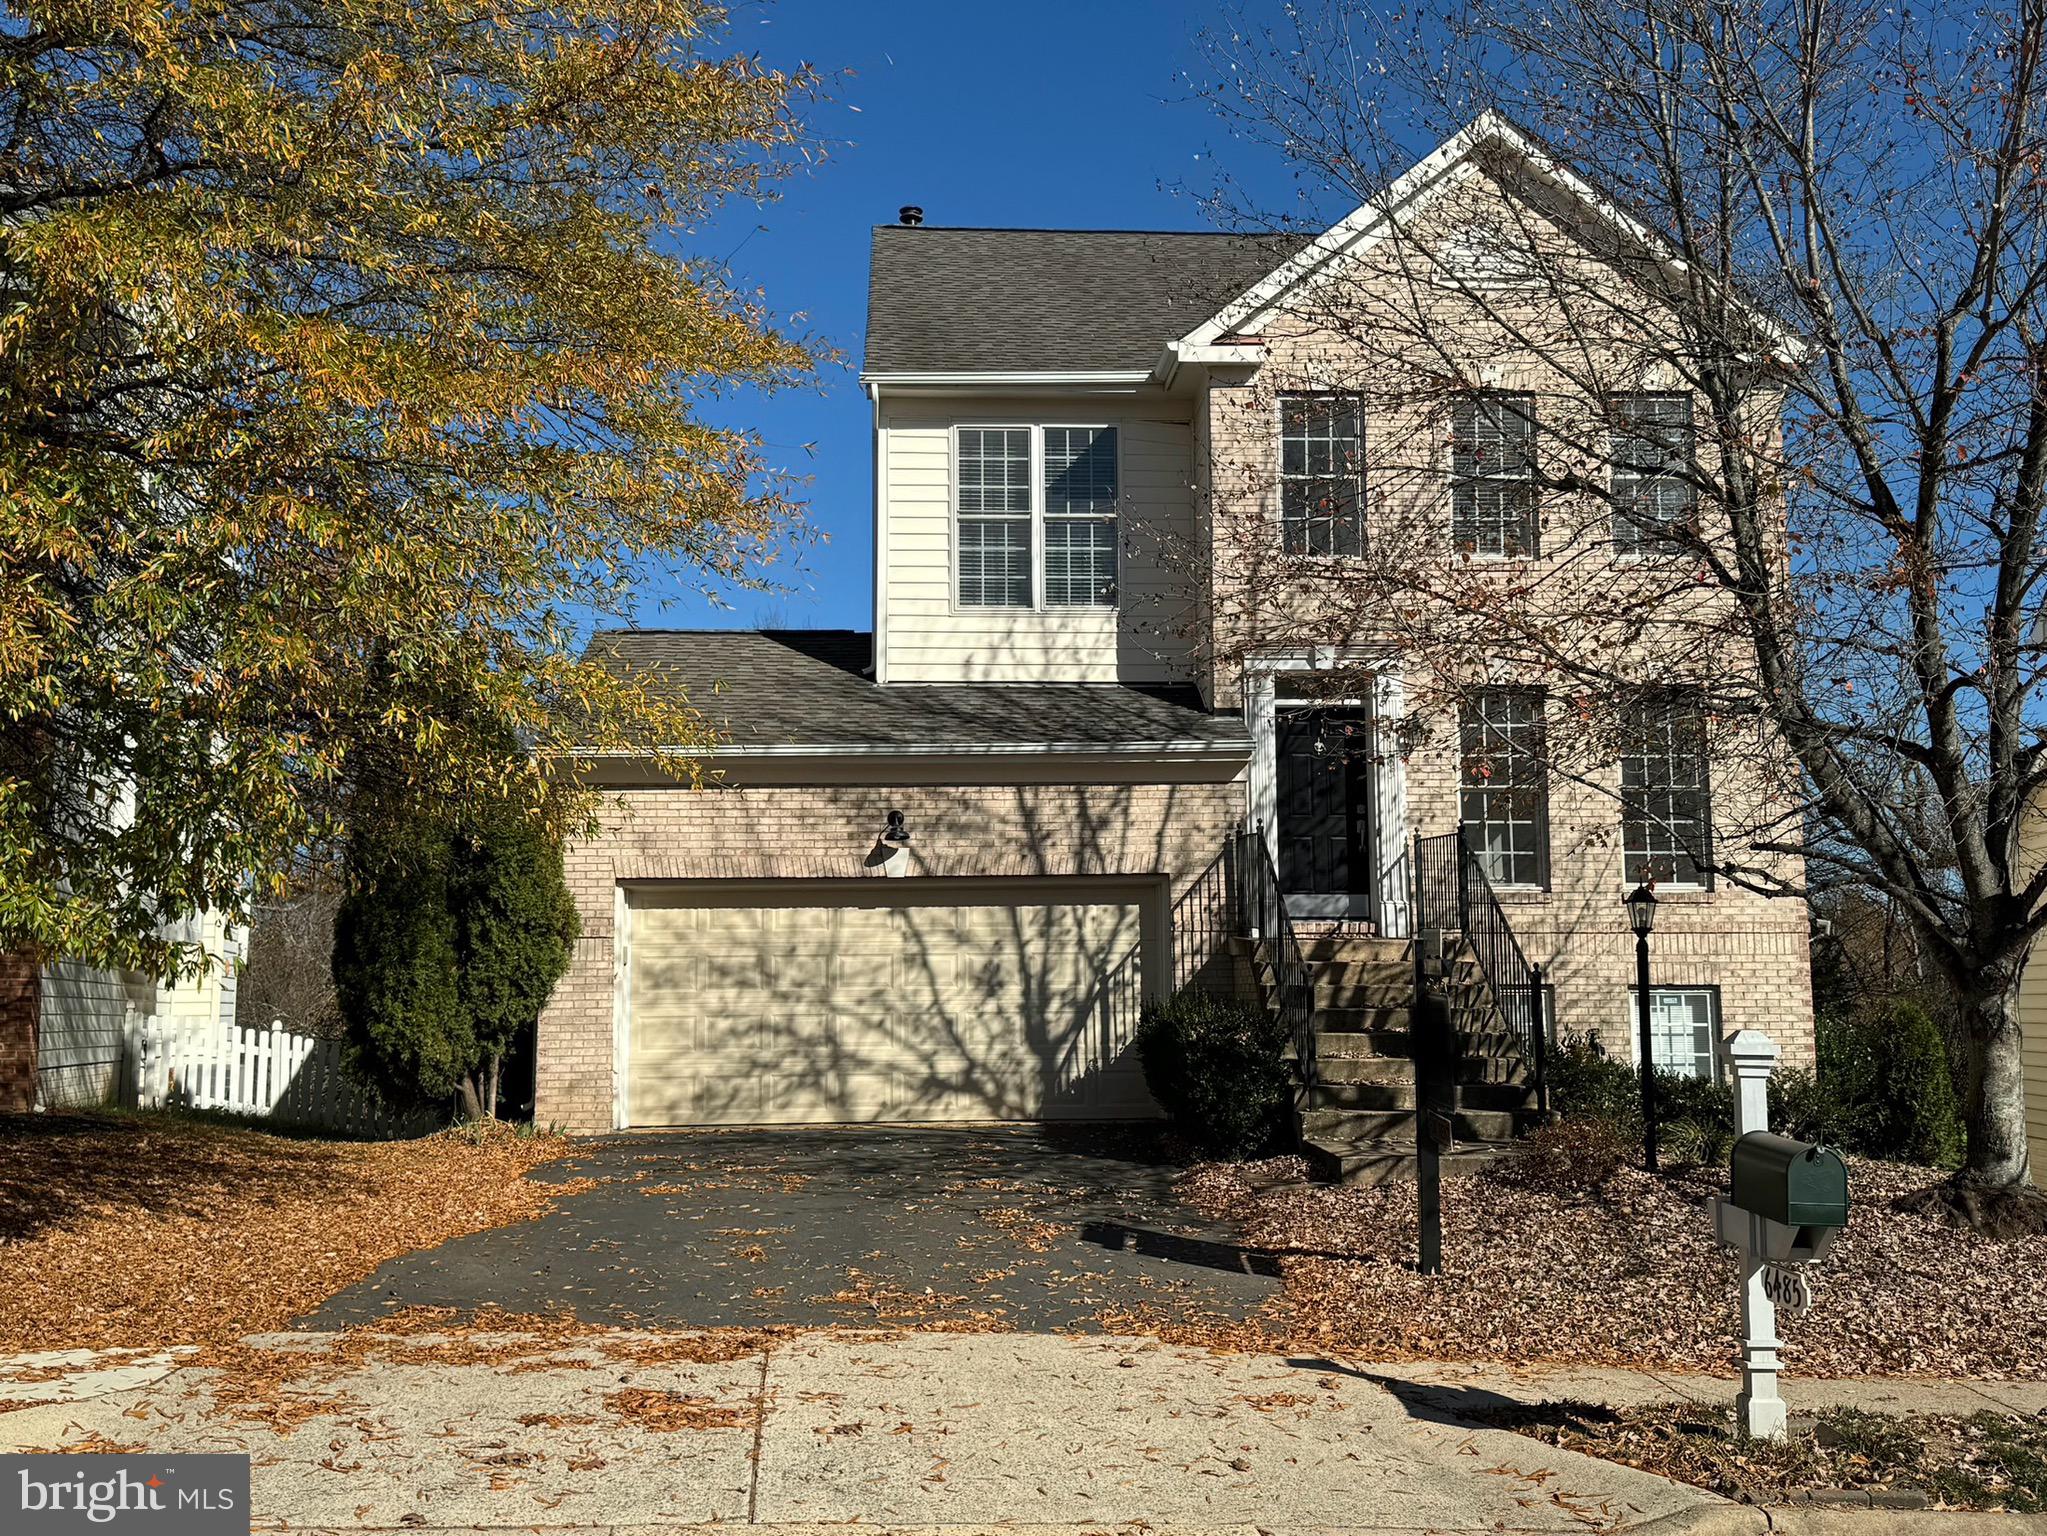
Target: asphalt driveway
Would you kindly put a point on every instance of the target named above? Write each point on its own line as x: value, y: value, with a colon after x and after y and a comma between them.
x: 1026, y: 1228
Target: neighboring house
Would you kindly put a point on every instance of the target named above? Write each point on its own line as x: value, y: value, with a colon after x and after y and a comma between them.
x: 91, y: 1021
x: 1066, y: 709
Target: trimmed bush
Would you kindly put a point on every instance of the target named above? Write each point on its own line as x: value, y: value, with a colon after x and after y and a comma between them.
x: 1218, y: 1069
x: 1886, y: 1087
x: 1694, y: 1115
x: 1567, y: 1156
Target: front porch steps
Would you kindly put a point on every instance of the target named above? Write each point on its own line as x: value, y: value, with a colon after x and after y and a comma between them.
x: 1356, y: 1106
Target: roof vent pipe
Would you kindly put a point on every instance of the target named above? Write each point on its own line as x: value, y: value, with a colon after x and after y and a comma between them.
x: 910, y: 215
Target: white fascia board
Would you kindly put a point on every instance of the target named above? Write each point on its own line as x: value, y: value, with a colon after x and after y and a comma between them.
x: 1219, y: 751
x: 1361, y: 230
x: 907, y: 380
x: 1178, y: 354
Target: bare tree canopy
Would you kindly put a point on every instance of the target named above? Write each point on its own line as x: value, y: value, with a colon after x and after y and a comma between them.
x: 1743, y: 309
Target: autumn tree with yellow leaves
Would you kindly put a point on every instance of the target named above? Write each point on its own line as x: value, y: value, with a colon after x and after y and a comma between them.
x: 349, y: 361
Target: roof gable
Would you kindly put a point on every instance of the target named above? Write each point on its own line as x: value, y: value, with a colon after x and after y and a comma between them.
x: 1414, y: 191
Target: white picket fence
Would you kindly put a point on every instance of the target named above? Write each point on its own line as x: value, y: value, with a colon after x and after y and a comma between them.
x: 294, y: 1079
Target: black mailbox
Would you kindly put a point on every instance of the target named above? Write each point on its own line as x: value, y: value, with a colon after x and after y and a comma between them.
x: 1793, y: 1182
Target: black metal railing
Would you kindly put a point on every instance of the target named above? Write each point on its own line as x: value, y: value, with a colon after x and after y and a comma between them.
x: 1454, y: 894
x: 1237, y: 901
x: 1261, y: 909
x: 1205, y: 923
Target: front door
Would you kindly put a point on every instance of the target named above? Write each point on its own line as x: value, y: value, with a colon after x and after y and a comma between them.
x: 1324, y: 810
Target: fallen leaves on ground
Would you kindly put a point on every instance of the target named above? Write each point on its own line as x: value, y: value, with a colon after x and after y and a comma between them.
x: 665, y: 1412
x: 1629, y: 1274
x: 1984, y: 1461
x: 140, y: 1231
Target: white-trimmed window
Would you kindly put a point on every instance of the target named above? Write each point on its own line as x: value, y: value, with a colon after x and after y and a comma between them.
x: 1492, y: 475
x: 1321, y: 474
x: 1080, y: 517
x: 1653, y: 495
x: 1035, y: 514
x: 1503, y: 796
x: 994, y: 517
x: 1666, y: 799
x: 1684, y: 1028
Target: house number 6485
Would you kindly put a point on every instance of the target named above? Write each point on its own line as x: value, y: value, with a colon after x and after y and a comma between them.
x: 1789, y: 1287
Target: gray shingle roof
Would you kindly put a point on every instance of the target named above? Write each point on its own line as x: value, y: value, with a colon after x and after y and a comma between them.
x: 1048, y: 300
x: 789, y: 687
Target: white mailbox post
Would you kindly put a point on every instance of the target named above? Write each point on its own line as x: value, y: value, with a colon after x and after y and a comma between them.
x: 1760, y: 1408
x: 1773, y: 1252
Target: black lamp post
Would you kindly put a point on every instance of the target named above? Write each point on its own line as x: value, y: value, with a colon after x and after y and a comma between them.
x: 1642, y: 918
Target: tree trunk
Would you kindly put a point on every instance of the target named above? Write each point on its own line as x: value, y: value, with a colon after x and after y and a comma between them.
x: 1991, y: 1194
x: 1994, y: 1101
x: 490, y: 1097
x: 21, y: 1019
x: 472, y: 1108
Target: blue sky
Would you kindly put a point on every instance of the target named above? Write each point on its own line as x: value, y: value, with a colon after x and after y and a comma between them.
x: 1062, y: 115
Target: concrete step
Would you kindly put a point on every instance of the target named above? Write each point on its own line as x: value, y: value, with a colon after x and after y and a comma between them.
x: 1362, y: 1042
x: 1321, y: 1118
x: 1324, y: 948
x: 1381, y: 1017
x: 1361, y: 1095
x: 1355, y: 992
x: 1495, y: 1069
x: 1508, y: 1096
x: 1356, y: 1124
x: 1332, y: 1068
x: 1372, y: 1162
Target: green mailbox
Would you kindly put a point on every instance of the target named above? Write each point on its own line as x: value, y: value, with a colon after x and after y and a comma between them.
x: 1792, y: 1182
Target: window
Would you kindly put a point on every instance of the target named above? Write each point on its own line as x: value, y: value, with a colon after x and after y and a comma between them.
x: 1684, y: 1026
x: 1012, y: 482
x: 1652, y: 457
x: 1666, y: 824
x: 1504, y: 800
x: 1080, y: 516
x: 1321, y: 475
x: 1492, y: 488
x: 995, y: 517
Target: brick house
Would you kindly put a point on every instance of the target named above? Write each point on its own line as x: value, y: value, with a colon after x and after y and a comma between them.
x: 938, y: 866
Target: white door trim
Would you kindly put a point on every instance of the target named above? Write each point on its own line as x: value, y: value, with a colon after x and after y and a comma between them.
x: 1390, y: 907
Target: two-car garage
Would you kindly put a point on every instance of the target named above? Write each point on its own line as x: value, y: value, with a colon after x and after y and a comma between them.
x: 835, y: 1001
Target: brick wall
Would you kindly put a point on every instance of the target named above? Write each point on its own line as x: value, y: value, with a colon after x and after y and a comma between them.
x: 20, y: 1009
x: 830, y: 832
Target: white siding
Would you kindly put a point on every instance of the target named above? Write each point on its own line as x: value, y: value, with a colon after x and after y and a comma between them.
x: 929, y: 638
x: 2033, y: 1023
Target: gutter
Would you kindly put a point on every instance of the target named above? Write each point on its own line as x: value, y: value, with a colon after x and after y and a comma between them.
x: 1213, y: 751
x: 1125, y: 376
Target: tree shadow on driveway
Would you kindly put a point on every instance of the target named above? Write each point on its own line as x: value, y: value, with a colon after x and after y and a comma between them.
x: 1030, y: 1228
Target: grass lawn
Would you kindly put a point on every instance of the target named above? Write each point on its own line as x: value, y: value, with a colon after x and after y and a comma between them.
x: 139, y: 1231
x: 1628, y: 1273
x: 1984, y: 1461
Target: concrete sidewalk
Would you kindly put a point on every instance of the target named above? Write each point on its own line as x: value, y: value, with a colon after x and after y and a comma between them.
x: 1470, y: 1388
x: 1034, y: 1434
x: 890, y: 1430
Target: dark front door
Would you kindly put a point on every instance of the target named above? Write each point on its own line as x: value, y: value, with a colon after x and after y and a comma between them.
x: 1324, y: 823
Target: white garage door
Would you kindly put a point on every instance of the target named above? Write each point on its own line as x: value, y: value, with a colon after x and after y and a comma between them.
x: 808, y: 1003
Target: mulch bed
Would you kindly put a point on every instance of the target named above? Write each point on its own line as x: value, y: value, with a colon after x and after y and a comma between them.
x: 1627, y: 1274
x: 1984, y: 1461
x: 142, y: 1231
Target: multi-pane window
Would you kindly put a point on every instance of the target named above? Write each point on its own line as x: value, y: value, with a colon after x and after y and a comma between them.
x: 1321, y: 474
x: 1080, y: 516
x: 995, y: 517
x: 1683, y: 1025
x: 1492, y: 486
x: 1666, y: 821
x: 1653, y: 496
x: 1504, y: 794
x: 1013, y: 479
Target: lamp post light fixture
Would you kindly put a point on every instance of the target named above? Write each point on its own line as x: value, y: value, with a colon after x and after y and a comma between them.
x: 1641, y: 904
